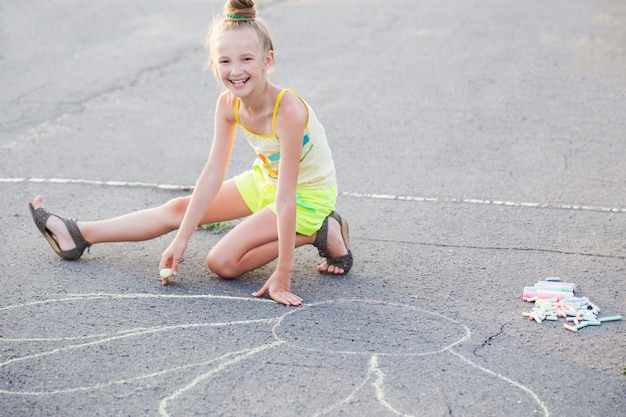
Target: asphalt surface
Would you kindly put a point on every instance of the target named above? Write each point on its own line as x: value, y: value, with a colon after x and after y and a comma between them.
x: 480, y: 147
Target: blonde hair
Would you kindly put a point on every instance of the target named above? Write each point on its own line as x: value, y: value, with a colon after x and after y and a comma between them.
x: 239, y: 14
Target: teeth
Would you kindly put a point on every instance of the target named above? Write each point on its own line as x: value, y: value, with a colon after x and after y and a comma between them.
x: 238, y: 82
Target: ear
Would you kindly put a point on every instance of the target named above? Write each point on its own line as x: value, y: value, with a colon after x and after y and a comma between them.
x: 213, y: 67
x: 270, y: 58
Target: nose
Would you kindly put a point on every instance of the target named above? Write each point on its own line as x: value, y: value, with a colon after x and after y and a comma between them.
x: 235, y: 68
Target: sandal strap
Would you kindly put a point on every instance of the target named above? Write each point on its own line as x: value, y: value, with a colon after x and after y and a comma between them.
x: 40, y: 217
x: 78, y: 238
x: 344, y: 262
x: 321, y: 239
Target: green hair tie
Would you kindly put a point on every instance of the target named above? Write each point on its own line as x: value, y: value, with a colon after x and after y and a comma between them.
x: 236, y: 16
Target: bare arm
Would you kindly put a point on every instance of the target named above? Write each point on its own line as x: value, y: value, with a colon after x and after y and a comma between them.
x: 289, y: 128
x: 208, y: 183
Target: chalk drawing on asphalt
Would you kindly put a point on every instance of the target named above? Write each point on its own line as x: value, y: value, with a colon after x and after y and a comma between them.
x: 405, y: 336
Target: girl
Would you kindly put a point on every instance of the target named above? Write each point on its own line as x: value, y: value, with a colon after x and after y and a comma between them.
x: 288, y: 197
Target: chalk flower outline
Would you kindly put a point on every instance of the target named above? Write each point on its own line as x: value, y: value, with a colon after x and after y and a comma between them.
x: 375, y: 376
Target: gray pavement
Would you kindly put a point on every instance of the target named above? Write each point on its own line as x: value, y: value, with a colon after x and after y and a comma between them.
x: 480, y: 147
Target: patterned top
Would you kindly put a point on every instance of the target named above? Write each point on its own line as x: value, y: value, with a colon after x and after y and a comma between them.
x: 317, y: 169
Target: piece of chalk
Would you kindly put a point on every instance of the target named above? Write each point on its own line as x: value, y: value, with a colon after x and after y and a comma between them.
x: 553, y: 279
x: 578, y: 300
x: 543, y: 303
x: 546, y: 293
x: 165, y: 273
x: 595, y: 307
x: 611, y: 318
x: 557, y: 284
x: 570, y: 328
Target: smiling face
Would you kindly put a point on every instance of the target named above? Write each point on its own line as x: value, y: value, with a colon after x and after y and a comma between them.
x: 239, y: 61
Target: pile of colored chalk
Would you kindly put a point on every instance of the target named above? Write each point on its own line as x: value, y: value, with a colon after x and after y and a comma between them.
x: 555, y: 299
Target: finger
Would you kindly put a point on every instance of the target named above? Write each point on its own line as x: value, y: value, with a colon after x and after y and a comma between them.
x: 174, y: 266
x: 295, y: 300
x: 279, y: 299
x: 164, y: 263
x: 260, y: 292
x: 164, y: 281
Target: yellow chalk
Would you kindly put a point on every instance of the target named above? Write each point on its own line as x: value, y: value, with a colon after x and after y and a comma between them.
x: 165, y: 273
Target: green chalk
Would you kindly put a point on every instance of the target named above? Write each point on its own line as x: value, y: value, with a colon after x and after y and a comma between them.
x: 611, y: 318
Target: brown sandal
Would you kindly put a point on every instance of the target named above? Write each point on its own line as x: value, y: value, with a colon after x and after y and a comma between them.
x: 321, y: 243
x: 40, y: 217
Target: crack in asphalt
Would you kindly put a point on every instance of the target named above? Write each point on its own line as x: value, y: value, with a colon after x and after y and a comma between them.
x: 447, y: 402
x: 488, y: 340
x: 498, y: 248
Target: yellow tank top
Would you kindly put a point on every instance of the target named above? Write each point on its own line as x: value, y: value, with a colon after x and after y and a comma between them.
x: 317, y: 169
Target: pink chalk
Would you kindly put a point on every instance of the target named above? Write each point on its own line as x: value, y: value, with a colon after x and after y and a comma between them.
x: 530, y: 292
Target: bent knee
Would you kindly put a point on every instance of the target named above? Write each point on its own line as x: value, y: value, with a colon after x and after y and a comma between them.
x: 222, y: 266
x: 178, y: 205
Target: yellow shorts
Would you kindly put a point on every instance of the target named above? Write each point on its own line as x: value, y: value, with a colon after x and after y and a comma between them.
x: 312, y: 205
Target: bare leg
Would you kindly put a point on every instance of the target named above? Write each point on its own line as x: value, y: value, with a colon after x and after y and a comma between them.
x: 251, y: 244
x: 149, y: 223
x: 254, y: 243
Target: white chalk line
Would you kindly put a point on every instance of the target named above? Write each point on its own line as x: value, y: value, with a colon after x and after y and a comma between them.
x: 375, y: 373
x: 133, y: 333
x: 57, y: 339
x: 73, y: 297
x: 112, y: 183
x: 344, y: 401
x: 379, y: 389
x: 240, y: 355
x: 379, y: 386
x: 372, y: 196
x: 546, y: 412
x: 466, y: 336
x: 95, y: 387
x: 580, y: 207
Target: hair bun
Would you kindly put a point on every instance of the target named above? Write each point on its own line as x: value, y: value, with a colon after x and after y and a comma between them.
x: 240, y: 10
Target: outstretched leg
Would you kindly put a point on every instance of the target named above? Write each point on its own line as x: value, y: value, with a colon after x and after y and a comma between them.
x: 149, y: 223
